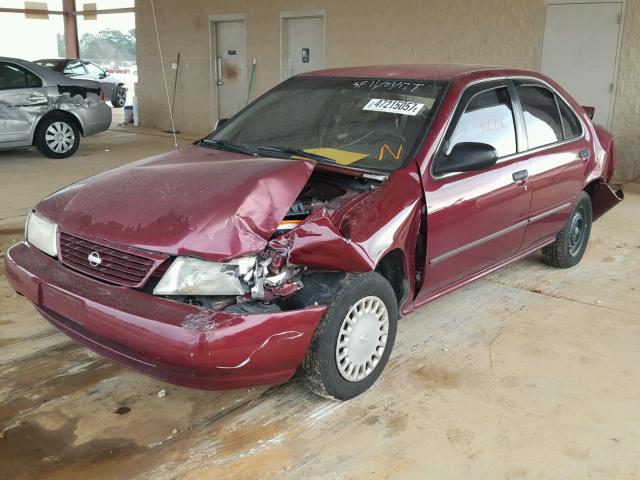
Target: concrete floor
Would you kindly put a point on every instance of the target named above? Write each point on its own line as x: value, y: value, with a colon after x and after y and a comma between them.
x: 531, y: 372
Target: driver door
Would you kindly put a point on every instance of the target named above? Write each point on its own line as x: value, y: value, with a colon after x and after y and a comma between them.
x: 475, y: 220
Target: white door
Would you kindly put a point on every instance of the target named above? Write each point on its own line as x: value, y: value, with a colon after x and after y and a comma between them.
x: 302, y: 45
x: 579, y: 52
x: 229, y: 66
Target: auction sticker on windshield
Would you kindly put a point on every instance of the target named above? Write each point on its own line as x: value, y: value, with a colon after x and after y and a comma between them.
x: 394, y: 106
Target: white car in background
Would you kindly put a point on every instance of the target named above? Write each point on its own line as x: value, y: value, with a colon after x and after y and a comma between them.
x: 45, y: 109
x: 114, y: 89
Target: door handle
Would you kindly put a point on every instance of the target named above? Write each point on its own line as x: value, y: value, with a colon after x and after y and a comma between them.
x: 219, y: 71
x: 521, y: 176
x: 36, y: 97
x: 584, y: 154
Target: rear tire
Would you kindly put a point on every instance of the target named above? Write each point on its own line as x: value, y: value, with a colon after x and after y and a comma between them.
x: 354, y: 338
x: 571, y: 242
x: 57, y: 136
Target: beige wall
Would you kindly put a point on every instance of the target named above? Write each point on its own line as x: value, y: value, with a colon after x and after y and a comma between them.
x: 360, y: 32
x: 626, y: 114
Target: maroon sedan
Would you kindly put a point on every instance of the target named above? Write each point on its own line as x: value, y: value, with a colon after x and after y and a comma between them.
x: 299, y: 231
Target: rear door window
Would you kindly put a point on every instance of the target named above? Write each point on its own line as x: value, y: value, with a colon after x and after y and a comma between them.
x: 487, y: 118
x: 12, y: 76
x: 541, y: 116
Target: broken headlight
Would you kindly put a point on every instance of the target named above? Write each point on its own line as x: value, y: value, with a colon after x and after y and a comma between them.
x: 192, y: 276
x: 41, y: 233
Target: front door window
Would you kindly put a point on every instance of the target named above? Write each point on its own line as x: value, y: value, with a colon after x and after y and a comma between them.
x: 487, y: 118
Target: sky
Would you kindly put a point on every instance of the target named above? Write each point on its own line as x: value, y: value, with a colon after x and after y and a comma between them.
x: 32, y: 39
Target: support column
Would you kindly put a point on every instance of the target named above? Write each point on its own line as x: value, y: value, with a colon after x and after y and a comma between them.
x: 71, y: 44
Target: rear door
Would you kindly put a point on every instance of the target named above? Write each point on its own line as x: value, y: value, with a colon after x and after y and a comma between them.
x: 477, y: 219
x: 22, y: 99
x: 559, y: 156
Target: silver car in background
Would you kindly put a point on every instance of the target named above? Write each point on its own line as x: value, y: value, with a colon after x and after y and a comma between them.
x: 114, y: 90
x: 45, y: 109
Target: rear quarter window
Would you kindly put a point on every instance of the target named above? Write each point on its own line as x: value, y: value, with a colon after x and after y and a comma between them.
x: 570, y: 123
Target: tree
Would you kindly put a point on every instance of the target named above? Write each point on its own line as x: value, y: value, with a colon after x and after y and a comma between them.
x: 109, y: 45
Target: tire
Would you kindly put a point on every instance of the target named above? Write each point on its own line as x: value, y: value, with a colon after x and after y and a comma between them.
x: 325, y: 366
x: 571, y: 242
x: 119, y: 97
x: 57, y: 136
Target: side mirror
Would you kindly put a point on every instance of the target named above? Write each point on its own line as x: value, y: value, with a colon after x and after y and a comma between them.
x: 103, y: 75
x: 467, y: 157
x: 220, y: 123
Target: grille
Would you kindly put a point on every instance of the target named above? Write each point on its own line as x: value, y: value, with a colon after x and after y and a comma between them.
x: 116, y: 266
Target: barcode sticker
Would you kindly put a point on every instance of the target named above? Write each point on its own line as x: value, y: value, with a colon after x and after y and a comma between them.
x: 394, y: 106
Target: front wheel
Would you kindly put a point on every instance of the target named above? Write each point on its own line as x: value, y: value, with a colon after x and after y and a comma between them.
x: 120, y: 97
x: 354, y: 339
x: 571, y: 242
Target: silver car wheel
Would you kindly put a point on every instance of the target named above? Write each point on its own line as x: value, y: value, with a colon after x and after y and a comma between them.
x: 60, y: 137
x: 121, y: 96
x: 362, y: 339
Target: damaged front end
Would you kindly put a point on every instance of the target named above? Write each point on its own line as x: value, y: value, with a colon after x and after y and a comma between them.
x: 263, y: 282
x: 338, y: 224
x: 237, y: 273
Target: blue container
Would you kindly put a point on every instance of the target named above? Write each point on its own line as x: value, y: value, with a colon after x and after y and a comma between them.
x: 128, y: 114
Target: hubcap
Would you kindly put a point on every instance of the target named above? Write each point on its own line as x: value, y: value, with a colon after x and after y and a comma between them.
x: 60, y: 137
x: 362, y: 339
x: 577, y: 231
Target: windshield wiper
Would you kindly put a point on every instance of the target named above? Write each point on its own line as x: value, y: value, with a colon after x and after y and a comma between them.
x: 298, y: 152
x: 230, y: 147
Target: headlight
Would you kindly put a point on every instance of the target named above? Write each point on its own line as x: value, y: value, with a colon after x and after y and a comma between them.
x: 41, y: 233
x: 192, y: 276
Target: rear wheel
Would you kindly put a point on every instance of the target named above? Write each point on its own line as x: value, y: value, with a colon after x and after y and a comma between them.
x: 354, y: 339
x: 572, y: 241
x: 57, y: 136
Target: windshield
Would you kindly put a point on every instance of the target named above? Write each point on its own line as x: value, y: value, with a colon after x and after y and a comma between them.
x: 371, y: 124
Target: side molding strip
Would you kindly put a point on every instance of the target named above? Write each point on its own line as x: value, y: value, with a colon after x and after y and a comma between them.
x: 497, y: 234
x: 540, y: 216
x: 480, y: 241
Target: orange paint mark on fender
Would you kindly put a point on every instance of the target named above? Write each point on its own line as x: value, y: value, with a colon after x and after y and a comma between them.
x: 396, y: 156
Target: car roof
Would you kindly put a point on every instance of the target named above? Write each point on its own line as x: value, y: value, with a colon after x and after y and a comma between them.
x: 436, y: 72
x: 34, y: 67
x: 49, y: 76
x: 56, y: 59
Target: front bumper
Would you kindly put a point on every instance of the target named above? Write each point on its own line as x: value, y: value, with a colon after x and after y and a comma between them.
x: 174, y: 342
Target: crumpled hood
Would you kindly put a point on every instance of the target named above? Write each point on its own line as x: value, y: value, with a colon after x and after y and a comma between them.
x: 199, y: 201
